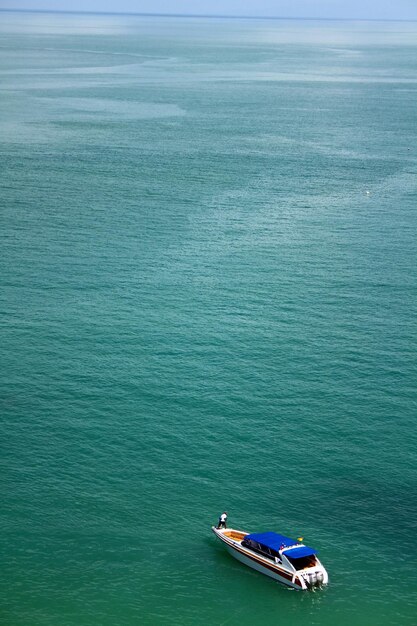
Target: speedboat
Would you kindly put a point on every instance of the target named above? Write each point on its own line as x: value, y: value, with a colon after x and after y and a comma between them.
x: 284, y: 559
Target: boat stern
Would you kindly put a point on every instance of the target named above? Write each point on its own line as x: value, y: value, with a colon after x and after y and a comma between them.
x: 313, y: 577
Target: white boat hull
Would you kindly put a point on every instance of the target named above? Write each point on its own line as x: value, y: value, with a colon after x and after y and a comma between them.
x: 262, y: 568
x: 269, y: 567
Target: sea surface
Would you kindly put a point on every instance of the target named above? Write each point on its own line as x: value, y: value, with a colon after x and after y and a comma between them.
x: 208, y: 268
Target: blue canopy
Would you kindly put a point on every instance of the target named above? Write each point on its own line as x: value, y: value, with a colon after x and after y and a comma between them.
x: 299, y: 552
x: 272, y: 540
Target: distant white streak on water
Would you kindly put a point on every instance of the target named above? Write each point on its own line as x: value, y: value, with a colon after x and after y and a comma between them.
x: 217, y: 77
x: 105, y: 108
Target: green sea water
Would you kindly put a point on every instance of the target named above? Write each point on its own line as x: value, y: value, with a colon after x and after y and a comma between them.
x: 208, y: 250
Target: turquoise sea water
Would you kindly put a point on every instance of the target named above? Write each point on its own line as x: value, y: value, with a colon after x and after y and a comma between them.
x: 208, y: 301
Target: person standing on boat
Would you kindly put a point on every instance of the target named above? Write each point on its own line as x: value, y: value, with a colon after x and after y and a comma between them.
x: 222, y: 520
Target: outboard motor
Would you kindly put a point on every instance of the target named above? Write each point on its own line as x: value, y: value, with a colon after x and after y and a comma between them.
x: 313, y: 579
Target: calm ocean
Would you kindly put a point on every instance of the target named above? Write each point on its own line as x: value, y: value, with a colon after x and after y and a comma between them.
x: 208, y: 301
